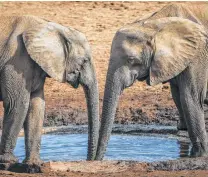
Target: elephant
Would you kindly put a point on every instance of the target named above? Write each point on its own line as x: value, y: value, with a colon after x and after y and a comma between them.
x: 195, y: 12
x: 169, y: 46
x: 32, y: 49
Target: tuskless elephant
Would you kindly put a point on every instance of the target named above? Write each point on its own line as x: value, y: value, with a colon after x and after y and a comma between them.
x: 32, y: 49
x: 196, y: 12
x: 169, y: 46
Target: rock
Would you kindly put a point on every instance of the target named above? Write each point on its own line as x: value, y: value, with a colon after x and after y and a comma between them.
x: 25, y: 168
x: 4, y: 166
x: 200, y: 163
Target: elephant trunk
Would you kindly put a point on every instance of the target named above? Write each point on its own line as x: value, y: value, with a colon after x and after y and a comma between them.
x: 92, y: 97
x: 111, y: 96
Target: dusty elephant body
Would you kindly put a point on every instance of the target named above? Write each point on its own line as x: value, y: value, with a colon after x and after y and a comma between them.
x: 197, y: 13
x: 32, y: 49
x: 169, y: 46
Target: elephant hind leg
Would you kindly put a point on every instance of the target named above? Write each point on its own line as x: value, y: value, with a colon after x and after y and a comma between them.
x: 192, y: 98
x: 15, y: 101
x: 33, y: 127
x: 176, y: 97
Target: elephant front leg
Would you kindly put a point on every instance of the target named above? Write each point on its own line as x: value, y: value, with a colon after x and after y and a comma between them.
x: 176, y: 97
x: 33, y: 128
x: 16, y: 102
x: 14, y: 116
x: 192, y: 102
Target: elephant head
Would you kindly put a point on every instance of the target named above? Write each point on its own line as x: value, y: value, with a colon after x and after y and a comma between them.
x: 65, y: 55
x: 155, y: 51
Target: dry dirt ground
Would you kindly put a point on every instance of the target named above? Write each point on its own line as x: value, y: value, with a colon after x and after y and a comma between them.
x: 99, y: 21
x: 196, y: 173
x: 117, y: 169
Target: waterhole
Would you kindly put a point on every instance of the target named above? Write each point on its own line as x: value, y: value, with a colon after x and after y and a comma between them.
x: 73, y: 147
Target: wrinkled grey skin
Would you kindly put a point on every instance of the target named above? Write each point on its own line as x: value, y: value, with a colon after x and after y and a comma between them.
x: 165, y: 47
x: 32, y: 49
x: 195, y: 12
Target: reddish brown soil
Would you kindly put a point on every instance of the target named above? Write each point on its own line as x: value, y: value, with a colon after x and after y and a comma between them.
x: 103, y: 169
x: 129, y: 173
x: 99, y: 21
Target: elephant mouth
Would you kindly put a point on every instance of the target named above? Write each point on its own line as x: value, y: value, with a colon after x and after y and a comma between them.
x: 142, y: 78
x: 75, y: 82
x: 134, y: 77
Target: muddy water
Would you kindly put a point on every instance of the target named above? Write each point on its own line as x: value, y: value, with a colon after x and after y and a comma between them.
x: 71, y: 147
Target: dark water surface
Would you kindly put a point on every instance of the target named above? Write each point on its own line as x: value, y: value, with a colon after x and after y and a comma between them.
x: 73, y: 147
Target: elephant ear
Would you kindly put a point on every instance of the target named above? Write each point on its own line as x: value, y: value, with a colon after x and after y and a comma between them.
x: 47, y: 47
x: 176, y: 45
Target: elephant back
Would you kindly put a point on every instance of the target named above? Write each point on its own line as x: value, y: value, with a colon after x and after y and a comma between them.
x: 11, y: 29
x: 196, y: 12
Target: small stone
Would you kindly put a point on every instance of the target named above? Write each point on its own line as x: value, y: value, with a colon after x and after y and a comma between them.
x: 25, y: 168
x: 4, y: 166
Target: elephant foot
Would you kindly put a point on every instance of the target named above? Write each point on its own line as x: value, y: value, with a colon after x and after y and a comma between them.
x: 199, y: 150
x: 8, y: 158
x: 33, y: 161
x: 182, y: 126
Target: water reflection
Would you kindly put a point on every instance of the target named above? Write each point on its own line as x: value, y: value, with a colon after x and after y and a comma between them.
x: 184, y: 148
x: 71, y: 147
